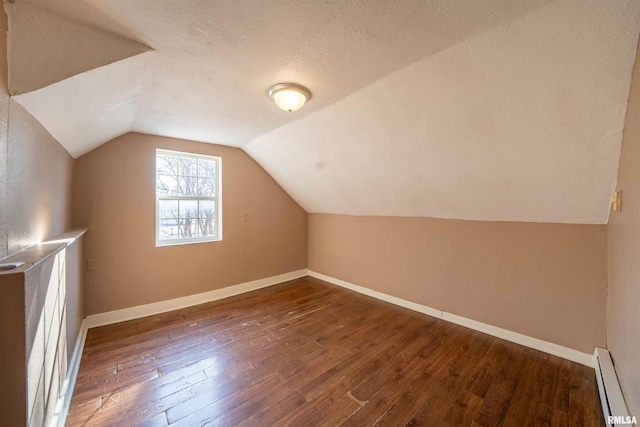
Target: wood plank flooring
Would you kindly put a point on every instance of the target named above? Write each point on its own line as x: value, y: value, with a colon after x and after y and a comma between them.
x: 307, y: 353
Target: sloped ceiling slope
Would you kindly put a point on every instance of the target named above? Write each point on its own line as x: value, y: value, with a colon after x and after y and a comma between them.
x: 488, y: 110
x: 521, y: 123
x: 213, y: 61
x: 45, y: 49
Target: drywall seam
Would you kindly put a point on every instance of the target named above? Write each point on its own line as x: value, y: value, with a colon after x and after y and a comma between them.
x: 144, y: 310
x: 515, y: 337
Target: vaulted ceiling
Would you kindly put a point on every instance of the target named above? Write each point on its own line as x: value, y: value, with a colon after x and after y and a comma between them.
x: 486, y: 110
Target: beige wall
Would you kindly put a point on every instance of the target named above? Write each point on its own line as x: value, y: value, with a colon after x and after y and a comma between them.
x: 547, y: 281
x: 114, y: 195
x: 39, y: 173
x: 623, y: 323
x: 38, y: 177
x: 35, y: 173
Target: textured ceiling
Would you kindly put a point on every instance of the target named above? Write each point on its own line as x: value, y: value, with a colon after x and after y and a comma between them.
x: 489, y: 110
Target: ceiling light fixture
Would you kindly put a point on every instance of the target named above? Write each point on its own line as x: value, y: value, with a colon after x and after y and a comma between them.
x: 289, y: 96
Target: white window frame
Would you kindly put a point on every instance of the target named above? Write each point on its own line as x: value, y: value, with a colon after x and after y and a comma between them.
x: 217, y: 198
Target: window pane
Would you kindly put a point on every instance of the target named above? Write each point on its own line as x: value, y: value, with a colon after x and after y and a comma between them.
x: 188, y: 208
x: 166, y: 184
x: 206, y: 208
x: 187, y: 228
x: 168, y: 229
x: 206, y: 187
x: 188, y: 166
x: 206, y: 227
x: 168, y: 209
x: 188, y: 186
x: 206, y: 168
x: 166, y: 164
x: 206, y: 218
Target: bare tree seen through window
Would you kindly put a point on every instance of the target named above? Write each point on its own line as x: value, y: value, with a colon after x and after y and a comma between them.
x: 186, y: 191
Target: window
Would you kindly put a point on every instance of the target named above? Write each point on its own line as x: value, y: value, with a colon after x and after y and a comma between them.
x: 188, y: 198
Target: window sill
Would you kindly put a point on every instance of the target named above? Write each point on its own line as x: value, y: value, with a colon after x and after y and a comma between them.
x: 165, y: 243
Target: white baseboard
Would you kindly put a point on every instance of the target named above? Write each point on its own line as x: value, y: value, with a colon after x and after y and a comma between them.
x: 64, y: 400
x: 547, y: 347
x: 188, y: 301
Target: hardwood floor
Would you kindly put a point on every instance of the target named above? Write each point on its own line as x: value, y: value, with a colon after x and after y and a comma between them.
x: 307, y: 353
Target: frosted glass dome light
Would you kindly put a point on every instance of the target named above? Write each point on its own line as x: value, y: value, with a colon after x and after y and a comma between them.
x: 289, y: 96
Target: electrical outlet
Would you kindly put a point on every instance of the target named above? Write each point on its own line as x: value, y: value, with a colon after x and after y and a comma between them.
x: 92, y: 265
x: 245, y: 216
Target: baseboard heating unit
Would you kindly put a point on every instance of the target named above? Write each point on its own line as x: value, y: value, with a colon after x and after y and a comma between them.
x: 613, y: 403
